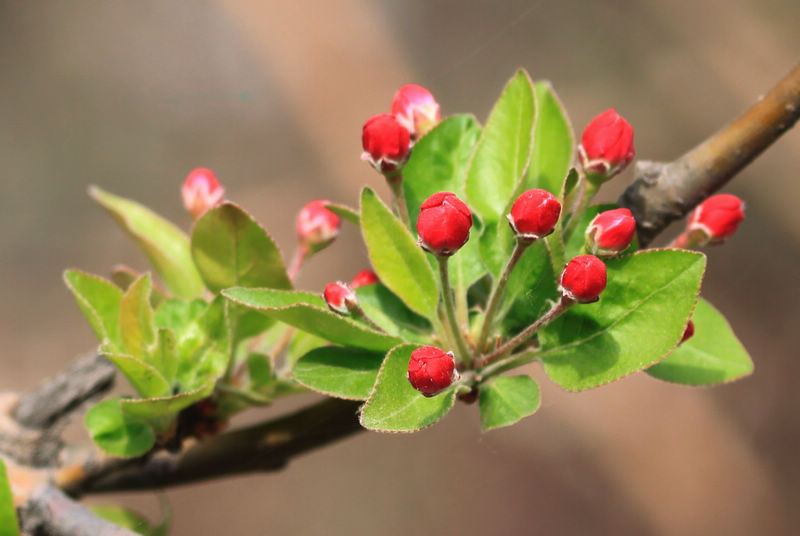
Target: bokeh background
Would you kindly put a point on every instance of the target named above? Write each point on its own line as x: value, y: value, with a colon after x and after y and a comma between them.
x: 271, y: 95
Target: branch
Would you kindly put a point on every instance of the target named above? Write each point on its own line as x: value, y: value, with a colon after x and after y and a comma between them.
x: 264, y: 447
x: 664, y: 192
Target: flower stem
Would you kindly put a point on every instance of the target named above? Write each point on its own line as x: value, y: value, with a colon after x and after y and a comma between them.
x: 586, y: 195
x: 449, y: 310
x: 395, y: 180
x: 300, y: 255
x: 524, y: 335
x: 496, y: 297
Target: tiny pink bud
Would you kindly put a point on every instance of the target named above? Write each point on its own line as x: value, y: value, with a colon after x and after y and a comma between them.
x: 415, y: 108
x: 431, y: 370
x: 610, y: 232
x: 583, y: 279
x: 606, y: 145
x: 340, y: 297
x: 385, y: 142
x: 443, y: 224
x: 201, y: 191
x: 687, y: 333
x: 364, y: 278
x: 534, y: 214
x: 316, y: 226
x: 715, y: 219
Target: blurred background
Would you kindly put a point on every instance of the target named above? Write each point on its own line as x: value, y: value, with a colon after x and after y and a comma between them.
x: 271, y: 95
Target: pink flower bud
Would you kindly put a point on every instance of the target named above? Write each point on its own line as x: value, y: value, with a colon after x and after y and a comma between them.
x: 606, y: 145
x: 583, y: 279
x: 610, y: 232
x: 431, y: 370
x: 201, y: 191
x: 340, y: 297
x: 715, y: 219
x: 316, y: 226
x: 534, y: 214
x: 415, y: 108
x: 443, y: 224
x: 687, y: 333
x: 364, y: 278
x: 386, y: 142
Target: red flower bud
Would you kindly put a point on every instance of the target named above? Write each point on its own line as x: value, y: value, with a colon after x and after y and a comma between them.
x: 316, y: 226
x: 534, y: 214
x: 364, y: 278
x: 606, y: 145
x: 415, y: 108
x: 610, y: 232
x: 688, y: 332
x: 431, y: 370
x: 201, y: 191
x: 443, y: 224
x: 340, y: 297
x: 715, y: 219
x: 583, y: 279
x: 385, y: 141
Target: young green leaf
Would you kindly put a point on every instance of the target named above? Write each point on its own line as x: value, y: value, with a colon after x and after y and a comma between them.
x: 302, y: 342
x: 529, y: 288
x: 339, y: 372
x: 147, y: 381
x: 553, y: 142
x: 399, y: 262
x: 639, y: 319
x: 503, y: 151
x: 308, y: 312
x: 123, y: 277
x: 99, y: 301
x: 389, y: 312
x: 9, y: 526
x: 394, y: 405
x: 259, y: 370
x: 136, y: 318
x: 116, y: 433
x: 344, y: 212
x: 506, y: 400
x: 165, y: 358
x: 712, y: 355
x: 155, y: 408
x: 166, y: 246
x: 231, y: 249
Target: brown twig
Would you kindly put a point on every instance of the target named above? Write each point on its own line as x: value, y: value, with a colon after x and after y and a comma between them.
x: 664, y: 192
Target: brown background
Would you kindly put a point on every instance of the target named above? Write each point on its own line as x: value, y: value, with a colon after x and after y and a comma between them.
x: 271, y: 95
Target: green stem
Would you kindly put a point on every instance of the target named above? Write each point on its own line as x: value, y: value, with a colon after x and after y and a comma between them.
x: 395, y: 180
x: 555, y: 245
x: 511, y: 362
x: 496, y: 297
x: 449, y: 310
x: 524, y: 335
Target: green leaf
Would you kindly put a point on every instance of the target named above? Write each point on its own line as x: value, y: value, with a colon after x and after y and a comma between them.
x: 506, y: 400
x: 154, y: 408
x: 99, y: 301
x: 389, y: 312
x: 394, y: 405
x: 231, y: 249
x: 147, y: 381
x: 503, y: 151
x: 308, y: 312
x: 136, y: 318
x: 116, y: 433
x: 165, y: 358
x: 439, y: 162
x: 639, y: 319
x: 302, y: 342
x: 344, y: 212
x: 166, y: 246
x: 399, y: 262
x: 9, y: 526
x: 529, y: 288
x: 554, y: 142
x: 123, y: 517
x: 712, y: 355
x: 339, y: 372
x: 259, y: 370
x: 123, y: 277
x: 496, y: 244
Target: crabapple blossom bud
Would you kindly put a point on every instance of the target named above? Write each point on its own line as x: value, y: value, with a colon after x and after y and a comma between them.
x: 386, y: 142
x: 415, y: 108
x: 610, y: 232
x: 364, y: 278
x: 340, y: 297
x: 606, y: 146
x: 201, y: 191
x: 443, y: 224
x: 583, y: 279
x: 316, y: 226
x: 431, y: 370
x: 715, y: 219
x: 534, y: 214
x: 688, y: 332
